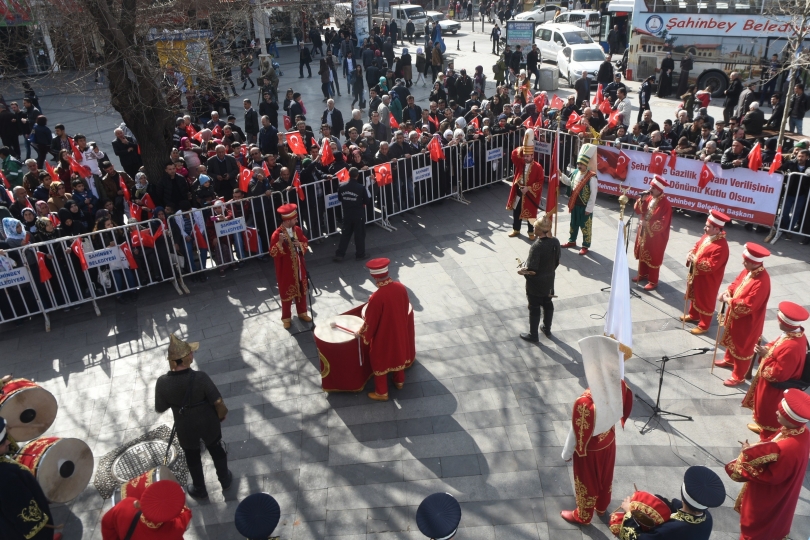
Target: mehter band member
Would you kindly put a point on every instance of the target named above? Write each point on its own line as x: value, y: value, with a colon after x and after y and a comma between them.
x: 524, y: 197
x: 288, y: 244
x: 584, y: 187
x: 160, y: 514
x: 655, y: 216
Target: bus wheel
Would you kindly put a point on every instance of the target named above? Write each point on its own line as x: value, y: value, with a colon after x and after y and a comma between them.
x: 716, y: 79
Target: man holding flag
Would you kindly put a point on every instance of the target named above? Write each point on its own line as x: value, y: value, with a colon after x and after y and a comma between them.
x: 584, y: 187
x: 524, y: 197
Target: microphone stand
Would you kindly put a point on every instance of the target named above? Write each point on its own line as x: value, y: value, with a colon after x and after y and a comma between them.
x: 656, y: 408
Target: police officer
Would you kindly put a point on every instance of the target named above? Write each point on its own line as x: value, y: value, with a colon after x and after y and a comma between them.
x: 353, y: 197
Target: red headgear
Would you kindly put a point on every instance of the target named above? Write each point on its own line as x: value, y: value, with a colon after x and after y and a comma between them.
x: 659, y: 182
x: 755, y: 253
x: 718, y: 218
x: 378, y: 267
x: 288, y: 211
x: 795, y: 406
x: 792, y: 314
x: 162, y: 501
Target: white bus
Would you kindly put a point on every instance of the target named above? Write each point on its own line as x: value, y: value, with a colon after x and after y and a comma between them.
x: 720, y: 35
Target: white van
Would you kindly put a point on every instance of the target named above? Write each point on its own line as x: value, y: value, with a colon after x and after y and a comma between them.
x: 587, y: 19
x: 402, y: 13
x: 551, y: 38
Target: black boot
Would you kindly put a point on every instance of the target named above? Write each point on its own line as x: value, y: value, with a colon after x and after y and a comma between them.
x: 196, y: 493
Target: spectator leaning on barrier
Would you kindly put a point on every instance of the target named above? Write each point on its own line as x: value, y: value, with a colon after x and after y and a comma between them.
x: 754, y: 120
x: 736, y: 156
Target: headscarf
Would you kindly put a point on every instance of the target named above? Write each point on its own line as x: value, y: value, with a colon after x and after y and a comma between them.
x: 404, y: 51
x: 183, y: 142
x: 55, y: 188
x: 484, y: 105
x: 383, y: 84
x: 458, y: 133
x: 141, y: 181
x: 448, y: 134
x: 42, y: 229
x: 75, y: 226
x: 10, y: 229
x: 28, y: 223
x: 460, y: 122
x: 42, y: 209
x: 419, y: 50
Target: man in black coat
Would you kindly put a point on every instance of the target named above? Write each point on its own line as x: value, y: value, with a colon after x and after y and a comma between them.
x: 754, y: 120
x: 251, y: 121
x: 333, y: 118
x: 583, y: 88
x: 515, y: 59
x: 464, y: 86
x: 127, y: 151
x: 354, y: 199
x: 172, y: 190
x: 224, y: 171
x: 733, y: 92
x: 605, y: 74
x: 778, y: 108
x: 615, y: 40
x: 532, y: 61
x: 543, y: 260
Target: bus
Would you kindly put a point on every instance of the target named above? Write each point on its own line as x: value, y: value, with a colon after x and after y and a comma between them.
x: 721, y: 36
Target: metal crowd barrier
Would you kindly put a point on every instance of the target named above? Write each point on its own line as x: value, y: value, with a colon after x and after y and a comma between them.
x: 792, y: 212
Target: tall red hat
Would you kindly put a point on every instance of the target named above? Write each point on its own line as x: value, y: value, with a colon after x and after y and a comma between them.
x: 288, y: 211
x: 660, y: 182
x: 378, y: 267
x: 792, y: 314
x: 162, y: 501
x: 795, y: 406
x: 755, y: 253
x: 718, y: 218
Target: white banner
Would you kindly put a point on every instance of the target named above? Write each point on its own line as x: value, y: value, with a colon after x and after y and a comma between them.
x: 743, y: 194
x: 101, y: 257
x: 332, y: 200
x: 496, y: 153
x: 541, y: 147
x: 422, y: 173
x: 232, y: 226
x: 18, y: 276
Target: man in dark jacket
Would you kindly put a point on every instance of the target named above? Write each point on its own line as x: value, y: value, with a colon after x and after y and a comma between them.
x: 388, y: 52
x: 733, y: 92
x: 736, y: 156
x: 798, y: 107
x: 754, y: 120
x: 333, y: 118
x: 317, y: 42
x: 532, y: 61
x: 173, y: 189
x: 251, y: 121
x: 127, y: 151
x: 605, y: 74
x: 464, y: 86
x: 543, y: 260
x: 354, y: 200
x: 778, y: 108
x: 224, y: 171
x: 583, y: 88
x: 198, y: 410
x: 409, y: 30
x: 515, y: 59
x: 268, y: 137
x: 9, y: 130
x: 296, y: 109
x: 615, y: 40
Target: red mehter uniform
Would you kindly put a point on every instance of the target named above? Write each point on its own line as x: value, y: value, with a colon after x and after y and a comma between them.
x: 291, y: 270
x: 783, y: 361
x: 745, y: 315
x: 529, y: 201
x: 594, y: 457
x: 386, y: 328
x: 164, y: 515
x: 773, y: 472
x: 709, y: 258
x: 653, y: 233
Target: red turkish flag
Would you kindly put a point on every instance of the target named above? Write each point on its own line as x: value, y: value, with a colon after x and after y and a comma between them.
x: 327, y: 156
x: 123, y: 186
x: 265, y: 169
x: 597, y: 99
x: 135, y: 211
x: 383, y: 174
x: 217, y: 132
x: 245, y: 175
x: 51, y: 172
x: 202, y: 241
x: 434, y: 121
x: 128, y: 254
x: 190, y: 131
x: 79, y: 169
x: 296, y: 143
x: 297, y: 185
x: 143, y: 237
x: 148, y: 202
x: 76, y: 153
x: 76, y: 248
x: 572, y: 119
x: 539, y: 102
x: 287, y: 123
x: 557, y: 102
x: 621, y: 165
x: 613, y: 119
x: 343, y: 175
x: 394, y: 123
x: 251, y: 236
x: 436, y: 150
x: 197, y: 136
x: 755, y: 158
x: 44, y: 273
x: 475, y: 123
x: 673, y: 159
x: 777, y: 161
x: 706, y: 176
x: 528, y: 122
x: 657, y: 162
x: 5, y: 180
x: 54, y: 219
x: 605, y: 107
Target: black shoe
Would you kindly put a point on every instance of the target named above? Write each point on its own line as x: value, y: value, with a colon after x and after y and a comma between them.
x: 530, y: 337
x: 196, y: 493
x: 546, y: 331
x: 804, y: 241
x: 337, y: 259
x: 228, y: 481
x: 237, y: 95
x: 362, y: 257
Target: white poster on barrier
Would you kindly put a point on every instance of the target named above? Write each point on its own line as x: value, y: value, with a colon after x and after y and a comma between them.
x: 743, y: 194
x: 494, y: 154
x: 541, y: 147
x: 11, y: 278
x: 332, y: 200
x: 422, y: 173
x: 101, y: 257
x: 232, y: 226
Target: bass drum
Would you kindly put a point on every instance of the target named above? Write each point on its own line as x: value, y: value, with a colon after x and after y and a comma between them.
x: 62, y: 467
x: 28, y: 409
x: 136, y: 486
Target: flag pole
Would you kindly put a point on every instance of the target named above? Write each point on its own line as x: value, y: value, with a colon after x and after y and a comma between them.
x: 556, y: 160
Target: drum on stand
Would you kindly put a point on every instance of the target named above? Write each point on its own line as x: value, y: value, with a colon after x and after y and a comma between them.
x: 344, y: 357
x: 136, y: 486
x: 29, y: 409
x: 411, y: 356
x: 62, y: 467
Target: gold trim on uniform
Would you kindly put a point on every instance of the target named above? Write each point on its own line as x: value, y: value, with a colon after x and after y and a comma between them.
x: 584, y: 502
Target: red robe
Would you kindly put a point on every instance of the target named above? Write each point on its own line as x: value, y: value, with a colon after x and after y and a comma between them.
x: 291, y: 271
x: 784, y: 360
x: 386, y: 327
x: 594, y: 456
x: 773, y: 472
x: 745, y: 313
x: 530, y: 201
x: 653, y: 231
x: 117, y: 520
x: 706, y: 275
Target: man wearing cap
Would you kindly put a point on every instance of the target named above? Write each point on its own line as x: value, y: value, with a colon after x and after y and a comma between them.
x: 542, y: 262
x: 438, y: 516
x: 581, y: 202
x: 354, y: 199
x: 257, y: 516
x: 689, y: 518
x: 655, y: 216
x: 524, y: 197
x: 747, y: 301
x: 161, y: 514
x: 24, y: 510
x: 773, y: 472
x: 287, y: 247
x: 385, y: 329
x: 198, y: 410
x: 707, y: 265
x: 780, y: 360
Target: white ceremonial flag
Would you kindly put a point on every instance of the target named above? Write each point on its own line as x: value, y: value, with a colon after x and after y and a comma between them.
x: 618, y: 322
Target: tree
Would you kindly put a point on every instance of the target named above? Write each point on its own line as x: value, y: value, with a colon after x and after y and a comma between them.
x: 133, y: 41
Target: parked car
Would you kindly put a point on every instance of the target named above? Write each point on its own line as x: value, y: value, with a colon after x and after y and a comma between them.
x: 539, y: 14
x: 574, y: 59
x: 447, y: 25
x: 551, y: 38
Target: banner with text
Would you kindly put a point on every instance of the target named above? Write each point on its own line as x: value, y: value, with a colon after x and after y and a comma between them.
x: 743, y: 194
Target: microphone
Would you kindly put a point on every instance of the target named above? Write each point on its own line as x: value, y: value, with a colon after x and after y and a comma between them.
x: 702, y: 349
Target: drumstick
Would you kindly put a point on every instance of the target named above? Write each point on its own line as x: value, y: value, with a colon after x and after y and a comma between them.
x: 336, y: 325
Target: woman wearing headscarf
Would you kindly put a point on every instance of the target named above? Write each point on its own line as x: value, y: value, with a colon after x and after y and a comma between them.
x: 71, y: 222
x: 496, y: 104
x: 29, y: 219
x: 404, y: 65
x: 382, y: 86
x: 15, y: 233
x: 421, y: 66
x: 395, y: 107
x: 665, y: 83
x: 437, y: 93
x: 480, y: 81
x: 58, y: 198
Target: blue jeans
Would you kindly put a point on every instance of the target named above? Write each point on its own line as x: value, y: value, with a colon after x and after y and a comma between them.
x: 190, y: 256
x: 272, y: 49
x: 795, y: 125
x: 239, y: 243
x: 120, y: 285
x: 27, y: 147
x: 788, y: 209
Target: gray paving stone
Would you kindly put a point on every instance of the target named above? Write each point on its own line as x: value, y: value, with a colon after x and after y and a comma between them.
x: 460, y: 466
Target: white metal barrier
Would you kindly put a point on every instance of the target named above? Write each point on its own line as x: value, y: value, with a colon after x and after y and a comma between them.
x: 792, y: 213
